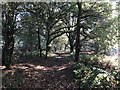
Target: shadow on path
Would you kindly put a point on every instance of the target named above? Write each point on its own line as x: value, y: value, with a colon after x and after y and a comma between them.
x: 54, y: 73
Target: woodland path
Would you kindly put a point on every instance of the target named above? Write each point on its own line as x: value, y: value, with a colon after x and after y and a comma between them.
x: 53, y: 73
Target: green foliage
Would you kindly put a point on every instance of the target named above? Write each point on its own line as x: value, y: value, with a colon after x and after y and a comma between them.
x: 56, y: 19
x: 88, y: 57
x: 91, y: 77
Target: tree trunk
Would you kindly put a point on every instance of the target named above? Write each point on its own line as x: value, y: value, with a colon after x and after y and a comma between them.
x: 47, y: 49
x: 8, y: 38
x: 7, y: 48
x: 71, y: 47
x: 77, y: 44
x: 39, y: 43
x: 70, y: 35
x: 47, y: 37
x: 65, y: 47
x: 70, y: 38
x: 47, y: 45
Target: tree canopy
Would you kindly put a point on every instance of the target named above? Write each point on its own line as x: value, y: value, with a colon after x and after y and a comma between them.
x: 81, y: 31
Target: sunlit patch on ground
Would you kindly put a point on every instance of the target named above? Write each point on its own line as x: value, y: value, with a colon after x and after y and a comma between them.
x: 58, y: 57
x: 48, y: 74
x: 23, y: 67
x: 28, y: 67
x: 41, y: 68
x: 2, y: 67
x: 62, y: 68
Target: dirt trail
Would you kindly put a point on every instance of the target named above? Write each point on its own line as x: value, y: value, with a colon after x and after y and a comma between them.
x: 54, y: 73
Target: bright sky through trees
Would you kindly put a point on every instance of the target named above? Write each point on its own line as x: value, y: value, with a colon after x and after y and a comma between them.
x: 115, y: 13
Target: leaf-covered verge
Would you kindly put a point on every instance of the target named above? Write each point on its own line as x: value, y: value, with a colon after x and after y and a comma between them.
x: 95, y: 74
